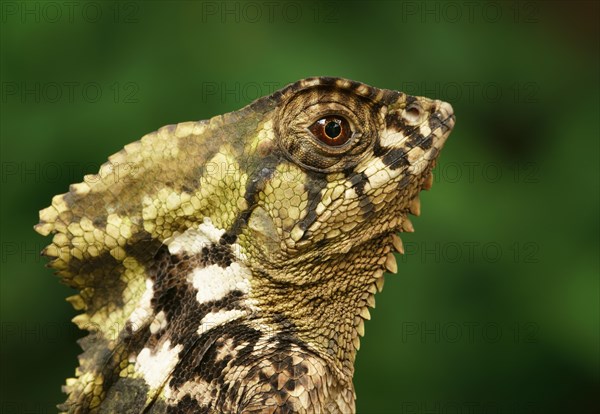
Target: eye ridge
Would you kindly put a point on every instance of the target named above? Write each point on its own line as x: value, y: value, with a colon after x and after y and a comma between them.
x: 332, y: 130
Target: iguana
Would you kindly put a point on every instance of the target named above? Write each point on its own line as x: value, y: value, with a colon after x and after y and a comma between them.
x: 227, y: 265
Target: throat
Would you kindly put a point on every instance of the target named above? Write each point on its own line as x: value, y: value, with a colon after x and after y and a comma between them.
x: 328, y: 314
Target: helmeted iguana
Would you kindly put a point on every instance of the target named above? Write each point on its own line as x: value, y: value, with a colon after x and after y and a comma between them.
x: 227, y: 265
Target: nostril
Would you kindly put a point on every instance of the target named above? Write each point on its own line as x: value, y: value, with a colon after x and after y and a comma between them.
x: 412, y: 113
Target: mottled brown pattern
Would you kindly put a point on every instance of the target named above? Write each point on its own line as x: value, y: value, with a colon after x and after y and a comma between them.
x: 228, y: 265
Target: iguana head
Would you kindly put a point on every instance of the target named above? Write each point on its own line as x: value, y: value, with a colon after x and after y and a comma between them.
x: 341, y: 164
x: 280, y: 216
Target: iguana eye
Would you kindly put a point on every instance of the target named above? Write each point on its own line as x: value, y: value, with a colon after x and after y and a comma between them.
x: 326, y: 130
x: 331, y: 130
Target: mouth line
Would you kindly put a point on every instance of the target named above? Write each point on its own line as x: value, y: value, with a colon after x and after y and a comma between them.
x: 447, y: 119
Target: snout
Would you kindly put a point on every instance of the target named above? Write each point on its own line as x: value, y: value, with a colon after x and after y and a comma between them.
x: 441, y: 122
x: 445, y: 114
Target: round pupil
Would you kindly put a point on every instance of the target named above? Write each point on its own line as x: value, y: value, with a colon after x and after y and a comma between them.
x: 333, y: 129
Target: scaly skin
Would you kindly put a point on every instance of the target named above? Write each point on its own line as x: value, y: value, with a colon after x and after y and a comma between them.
x: 228, y: 265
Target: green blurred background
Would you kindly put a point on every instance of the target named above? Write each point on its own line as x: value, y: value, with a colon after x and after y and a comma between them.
x: 495, y: 306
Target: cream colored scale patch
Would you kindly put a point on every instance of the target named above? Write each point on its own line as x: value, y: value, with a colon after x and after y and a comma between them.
x: 214, y: 283
x: 156, y: 365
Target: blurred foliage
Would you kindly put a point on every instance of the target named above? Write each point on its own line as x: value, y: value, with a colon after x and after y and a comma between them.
x: 495, y: 307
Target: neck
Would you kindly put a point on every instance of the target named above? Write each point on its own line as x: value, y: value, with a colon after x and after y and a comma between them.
x: 328, y: 314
